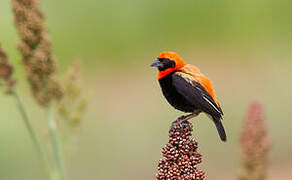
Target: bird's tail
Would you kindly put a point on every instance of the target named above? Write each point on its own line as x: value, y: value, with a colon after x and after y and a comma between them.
x: 220, y: 129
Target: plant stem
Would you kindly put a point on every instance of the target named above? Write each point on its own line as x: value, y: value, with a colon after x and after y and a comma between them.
x: 56, y: 144
x: 31, y: 133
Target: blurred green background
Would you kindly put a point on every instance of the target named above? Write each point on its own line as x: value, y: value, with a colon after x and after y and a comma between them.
x: 244, y: 46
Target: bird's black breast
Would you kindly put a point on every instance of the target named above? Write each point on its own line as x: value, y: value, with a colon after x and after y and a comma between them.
x: 173, y: 97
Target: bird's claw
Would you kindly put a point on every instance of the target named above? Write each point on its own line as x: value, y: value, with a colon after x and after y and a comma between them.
x: 187, y: 117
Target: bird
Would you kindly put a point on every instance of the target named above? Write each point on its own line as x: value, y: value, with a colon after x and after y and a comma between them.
x: 187, y: 89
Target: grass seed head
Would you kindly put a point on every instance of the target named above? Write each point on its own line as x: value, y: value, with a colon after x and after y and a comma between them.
x: 73, y: 104
x: 6, y: 71
x: 36, y: 50
x: 255, y: 144
x: 180, y: 156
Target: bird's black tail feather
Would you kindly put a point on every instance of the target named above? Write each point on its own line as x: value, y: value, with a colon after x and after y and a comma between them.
x: 220, y: 129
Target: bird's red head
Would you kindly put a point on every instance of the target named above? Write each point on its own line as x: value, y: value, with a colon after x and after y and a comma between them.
x: 168, y: 62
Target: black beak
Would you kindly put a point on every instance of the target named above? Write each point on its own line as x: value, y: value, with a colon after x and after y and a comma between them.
x: 156, y: 63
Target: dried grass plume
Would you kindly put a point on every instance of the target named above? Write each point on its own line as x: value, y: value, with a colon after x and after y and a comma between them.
x: 255, y: 144
x: 6, y: 71
x: 72, y: 107
x: 180, y: 156
x: 36, y: 50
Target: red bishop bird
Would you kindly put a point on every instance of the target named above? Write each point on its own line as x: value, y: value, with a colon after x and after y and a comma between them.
x: 187, y: 89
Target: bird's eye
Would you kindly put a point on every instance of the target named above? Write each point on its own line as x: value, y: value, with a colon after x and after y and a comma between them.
x: 163, y: 59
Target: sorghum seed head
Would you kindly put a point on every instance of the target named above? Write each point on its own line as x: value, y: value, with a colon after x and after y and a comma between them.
x: 180, y: 155
x: 255, y: 144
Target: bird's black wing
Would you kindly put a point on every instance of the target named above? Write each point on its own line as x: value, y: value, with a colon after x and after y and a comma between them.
x: 196, y: 94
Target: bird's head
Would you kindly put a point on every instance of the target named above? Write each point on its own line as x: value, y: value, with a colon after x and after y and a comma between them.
x: 167, y: 62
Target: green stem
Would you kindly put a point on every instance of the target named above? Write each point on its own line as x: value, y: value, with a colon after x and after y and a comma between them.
x: 32, y: 133
x: 56, y: 145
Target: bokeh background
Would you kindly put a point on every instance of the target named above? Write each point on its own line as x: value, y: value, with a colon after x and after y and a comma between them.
x: 244, y: 46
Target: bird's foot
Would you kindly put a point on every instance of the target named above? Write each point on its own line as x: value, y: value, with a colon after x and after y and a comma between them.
x: 187, y: 117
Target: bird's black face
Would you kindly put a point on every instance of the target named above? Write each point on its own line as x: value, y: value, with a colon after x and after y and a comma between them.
x: 163, y: 64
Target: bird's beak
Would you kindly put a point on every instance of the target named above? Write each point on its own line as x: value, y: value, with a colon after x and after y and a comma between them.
x: 156, y: 63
